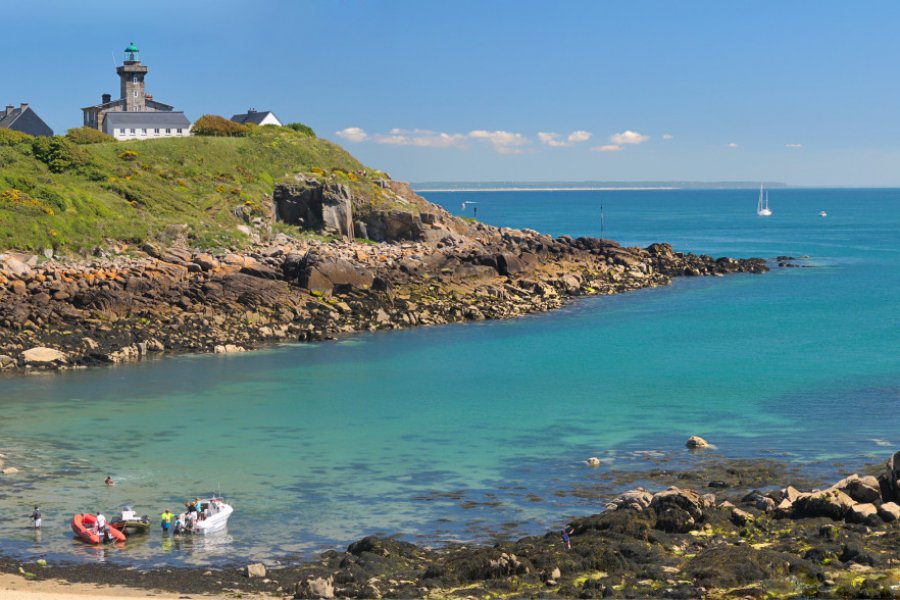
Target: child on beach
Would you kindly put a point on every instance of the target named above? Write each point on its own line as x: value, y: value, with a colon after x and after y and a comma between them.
x: 565, y: 537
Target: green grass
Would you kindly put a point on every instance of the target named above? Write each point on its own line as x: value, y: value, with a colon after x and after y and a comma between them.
x: 137, y: 191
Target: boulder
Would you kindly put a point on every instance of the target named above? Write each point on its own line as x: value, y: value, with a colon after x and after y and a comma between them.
x: 43, y: 356
x: 255, y: 570
x: 889, y: 511
x: 637, y: 499
x: 206, y: 262
x: 315, y: 587
x: 677, y: 510
x: 509, y: 264
x: 831, y: 503
x: 892, y: 478
x: 861, y: 489
x: 741, y: 517
x: 9, y: 471
x: 6, y: 362
x: 695, y: 442
x: 863, y: 513
x: 227, y: 349
x: 333, y: 275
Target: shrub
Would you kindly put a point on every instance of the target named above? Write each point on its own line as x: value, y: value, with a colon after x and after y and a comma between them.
x: 87, y: 135
x: 9, y: 137
x: 14, y: 197
x: 214, y: 125
x: 301, y: 128
x: 57, y: 153
x: 129, y: 155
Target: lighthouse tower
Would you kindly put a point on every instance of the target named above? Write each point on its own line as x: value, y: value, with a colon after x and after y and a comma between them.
x: 132, y: 73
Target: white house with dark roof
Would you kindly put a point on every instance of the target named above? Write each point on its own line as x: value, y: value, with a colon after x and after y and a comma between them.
x: 135, y: 115
x: 261, y: 117
x: 23, y: 119
x: 147, y: 125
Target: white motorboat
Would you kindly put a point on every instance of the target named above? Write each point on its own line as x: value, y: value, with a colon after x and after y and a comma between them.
x: 762, y: 205
x: 823, y: 214
x: 213, y: 518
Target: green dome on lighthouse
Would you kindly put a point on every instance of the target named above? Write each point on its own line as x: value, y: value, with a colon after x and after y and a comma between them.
x: 131, y: 53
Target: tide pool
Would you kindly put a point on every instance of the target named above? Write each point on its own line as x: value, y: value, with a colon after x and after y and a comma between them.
x: 469, y: 432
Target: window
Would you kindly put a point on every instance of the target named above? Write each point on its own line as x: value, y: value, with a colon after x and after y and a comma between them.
x: 168, y: 131
x: 135, y: 93
x: 134, y: 79
x: 143, y: 131
x: 179, y: 131
x: 132, y: 131
x: 157, y: 131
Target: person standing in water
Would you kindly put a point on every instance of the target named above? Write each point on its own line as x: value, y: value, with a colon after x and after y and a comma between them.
x: 109, y: 480
x: 166, y: 520
x: 36, y: 517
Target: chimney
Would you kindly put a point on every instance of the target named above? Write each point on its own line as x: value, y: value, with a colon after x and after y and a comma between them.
x: 105, y: 98
x: 23, y: 107
x: 251, y: 110
x: 9, y: 109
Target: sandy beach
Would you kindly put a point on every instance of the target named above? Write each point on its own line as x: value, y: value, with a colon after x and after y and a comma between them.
x: 16, y: 587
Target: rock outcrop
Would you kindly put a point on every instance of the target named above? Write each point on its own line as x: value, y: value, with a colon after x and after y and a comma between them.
x: 432, y: 268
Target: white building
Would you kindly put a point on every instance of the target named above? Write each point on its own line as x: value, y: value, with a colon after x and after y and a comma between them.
x: 262, y: 117
x: 146, y: 125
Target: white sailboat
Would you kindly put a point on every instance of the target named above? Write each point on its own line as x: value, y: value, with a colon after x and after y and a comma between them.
x: 762, y: 205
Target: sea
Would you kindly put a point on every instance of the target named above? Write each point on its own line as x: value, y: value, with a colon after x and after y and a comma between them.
x: 477, y: 432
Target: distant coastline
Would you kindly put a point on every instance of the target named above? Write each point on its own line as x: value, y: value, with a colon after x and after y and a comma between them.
x: 587, y: 186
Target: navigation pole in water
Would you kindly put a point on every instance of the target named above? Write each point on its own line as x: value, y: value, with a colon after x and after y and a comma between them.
x: 601, y: 221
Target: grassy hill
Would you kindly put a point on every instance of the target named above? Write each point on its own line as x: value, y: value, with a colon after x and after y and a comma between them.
x: 72, y: 197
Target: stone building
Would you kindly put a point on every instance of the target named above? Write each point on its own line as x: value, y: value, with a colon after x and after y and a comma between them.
x: 135, y: 115
x: 23, y: 119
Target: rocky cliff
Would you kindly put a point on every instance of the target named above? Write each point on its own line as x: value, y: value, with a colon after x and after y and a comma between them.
x: 427, y: 267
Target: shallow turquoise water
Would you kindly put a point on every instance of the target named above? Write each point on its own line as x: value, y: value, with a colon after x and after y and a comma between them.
x: 459, y: 432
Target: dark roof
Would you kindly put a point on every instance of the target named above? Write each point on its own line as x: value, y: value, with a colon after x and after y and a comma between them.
x: 106, y: 104
x: 24, y: 120
x: 145, y: 120
x: 255, y: 117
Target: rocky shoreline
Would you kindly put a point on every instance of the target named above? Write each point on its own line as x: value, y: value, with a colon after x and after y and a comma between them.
x: 428, y: 268
x: 730, y: 529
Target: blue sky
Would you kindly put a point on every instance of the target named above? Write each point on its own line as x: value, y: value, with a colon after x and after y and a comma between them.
x: 802, y: 92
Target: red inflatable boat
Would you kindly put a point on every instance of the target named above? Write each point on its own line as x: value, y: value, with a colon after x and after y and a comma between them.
x: 85, y: 527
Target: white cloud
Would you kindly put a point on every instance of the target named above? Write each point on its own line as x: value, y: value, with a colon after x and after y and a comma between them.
x: 579, y: 136
x: 732, y: 145
x: 607, y: 148
x: 504, y: 142
x: 553, y: 139
x: 628, y: 137
x: 793, y: 145
x: 421, y: 138
x: 667, y: 136
x: 353, y: 134
x: 550, y: 139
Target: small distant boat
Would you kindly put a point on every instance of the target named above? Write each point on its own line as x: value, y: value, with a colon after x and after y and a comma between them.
x: 129, y: 523
x: 762, y: 205
x: 214, y: 518
x: 823, y: 214
x: 85, y: 527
